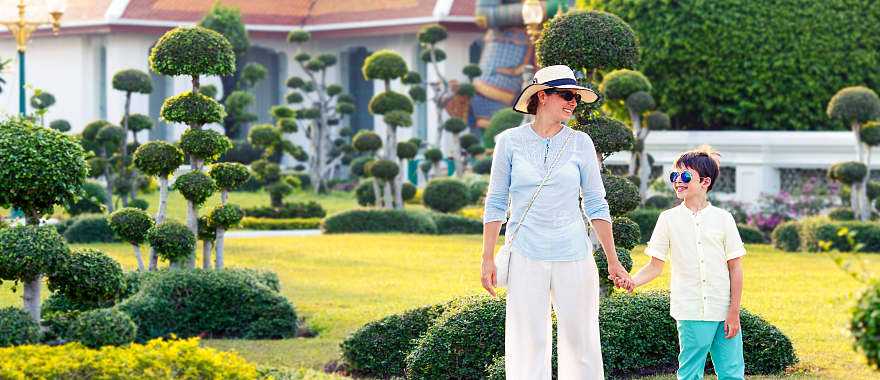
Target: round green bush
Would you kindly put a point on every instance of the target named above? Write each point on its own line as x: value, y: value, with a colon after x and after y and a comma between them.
x: 620, y: 84
x: 621, y: 194
x: 483, y: 166
x: 750, y: 235
x: 277, y: 191
x: 588, y: 40
x: 626, y: 233
x: 433, y: 155
x: 378, y: 349
x: 454, y: 125
x: 88, y: 276
x: 195, y: 186
x: 408, y: 191
x: 364, y: 192
x: 158, y: 158
x: 848, y: 172
x: 287, y: 125
x: 131, y: 224
x: 385, y: 170
x: 132, y: 80
x: 842, y: 213
x: 418, y: 94
x: 264, y: 136
x: 192, y: 51
x: 433, y: 55
x: 295, y: 82
x: 103, y: 327
x: 477, y: 191
x: 432, y: 34
x: 267, y: 172
x: 60, y: 125
x: 446, y: 195
x: 345, y: 108
x: 659, y: 202
x: 468, y: 140
x: 398, y: 118
x: 90, y: 228
x: 472, y: 71
x: 461, y: 342
x: 451, y: 224
x: 30, y: 251
x: 208, y: 90
x: 357, y: 166
x: 92, y: 201
x: 227, y: 216
x: 192, y: 109
x: 298, y: 36
x: 870, y: 133
x: 407, y: 150
x: 687, y: 48
x: 502, y: 120
x: 366, y: 141
x: 608, y: 135
x: 229, y: 175
x: 39, y: 167
x: 640, y: 102
x: 412, y: 77
x: 219, y: 304
x: 379, y: 221
x: 384, y: 65
x: 204, y: 144
x: 786, y: 236
x: 138, y: 122
x: 281, y: 112
x: 172, y: 241
x: 390, y: 101
x: 294, y: 98
x: 17, y: 328
x: 138, y: 203
x: 110, y: 137
x: 658, y: 120
x: 43, y: 100
x: 646, y: 218
x: 854, y: 105
x: 466, y: 89
x: 865, y: 324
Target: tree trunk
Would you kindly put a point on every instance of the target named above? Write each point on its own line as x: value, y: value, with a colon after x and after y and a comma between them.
x: 219, y: 255
x: 206, y: 254
x: 436, y: 170
x: 192, y: 218
x: 637, y: 131
x: 398, y: 185
x: 377, y: 193
x: 160, y: 217
x: 109, y: 179
x: 137, y: 255
x: 389, y: 201
x: 32, y: 297
x: 865, y: 213
x: 456, y: 153
x: 224, y: 196
x: 124, y: 168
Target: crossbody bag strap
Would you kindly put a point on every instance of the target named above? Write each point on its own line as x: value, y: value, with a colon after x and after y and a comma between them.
x: 540, y: 186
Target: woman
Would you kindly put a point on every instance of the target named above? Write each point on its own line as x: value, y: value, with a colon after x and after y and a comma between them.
x: 551, y: 255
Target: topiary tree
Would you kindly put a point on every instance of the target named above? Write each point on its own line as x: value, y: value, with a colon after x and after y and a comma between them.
x: 855, y: 106
x: 224, y: 217
x: 208, y: 235
x: 196, y: 187
x: 194, y: 52
x: 90, y: 202
x: 132, y: 224
x: 160, y: 159
x: 41, y: 101
x: 88, y: 277
x: 269, y: 138
x: 131, y: 81
x: 369, y: 142
x: 26, y: 254
x: 446, y: 195
x: 429, y: 37
x: 434, y: 156
x: 227, y: 176
x: 60, y: 125
x: 501, y: 121
x: 172, y: 241
x: 851, y: 173
x: 104, y: 141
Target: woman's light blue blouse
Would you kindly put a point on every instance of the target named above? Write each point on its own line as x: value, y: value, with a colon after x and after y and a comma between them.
x: 554, y: 228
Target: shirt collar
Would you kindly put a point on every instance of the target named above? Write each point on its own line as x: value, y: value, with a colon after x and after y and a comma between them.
x: 691, y: 213
x: 552, y: 138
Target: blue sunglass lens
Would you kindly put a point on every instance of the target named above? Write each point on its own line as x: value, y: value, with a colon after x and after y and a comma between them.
x: 685, y: 177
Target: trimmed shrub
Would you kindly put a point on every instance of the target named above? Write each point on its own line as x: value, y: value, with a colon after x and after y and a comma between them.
x: 172, y: 241
x: 192, y: 108
x: 501, y: 121
x: 841, y: 213
x: 848, y: 172
x: 71, y: 361
x: 408, y: 191
x: 621, y: 194
x: 865, y: 324
x: 131, y: 224
x: 378, y: 349
x: 608, y: 135
x: 379, y: 221
x: 454, y: 125
x: 195, y: 186
x: 132, y: 80
x: 646, y: 218
x: 158, y: 158
x: 816, y: 229
x: 89, y: 228
x: 310, y: 209
x: 384, y: 65
x: 750, y: 235
x: 138, y: 122
x: 627, y: 233
x: 661, y: 202
x: 786, y: 237
x: 204, y: 144
x: 229, y: 175
x: 385, y: 170
x: 103, y: 327
x: 88, y: 276
x: 192, y: 51
x: 60, y: 125
x: 228, y: 304
x: 388, y: 101
x: 588, y: 40
x: 226, y: 216
x: 92, y: 201
x: 446, y: 195
x: 483, y: 166
x: 448, y: 224
x: 620, y: 84
x: 248, y: 223
x: 17, y: 328
x: 366, y: 141
x: 364, y: 192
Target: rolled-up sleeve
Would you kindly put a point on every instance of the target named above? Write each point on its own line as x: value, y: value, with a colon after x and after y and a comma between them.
x: 592, y: 189
x: 733, y: 244
x: 498, y: 193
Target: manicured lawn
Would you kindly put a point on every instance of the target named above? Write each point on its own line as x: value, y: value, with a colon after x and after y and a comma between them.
x: 340, y: 282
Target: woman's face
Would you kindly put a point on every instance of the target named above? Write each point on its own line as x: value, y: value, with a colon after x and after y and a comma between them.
x: 554, y: 106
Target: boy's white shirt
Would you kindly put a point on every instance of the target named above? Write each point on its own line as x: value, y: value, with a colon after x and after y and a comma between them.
x: 698, y: 247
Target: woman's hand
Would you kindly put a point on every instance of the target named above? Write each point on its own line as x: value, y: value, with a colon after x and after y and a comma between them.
x: 488, y: 276
x: 620, y: 276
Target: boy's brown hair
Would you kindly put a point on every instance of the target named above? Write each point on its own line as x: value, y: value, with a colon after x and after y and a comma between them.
x: 704, y: 160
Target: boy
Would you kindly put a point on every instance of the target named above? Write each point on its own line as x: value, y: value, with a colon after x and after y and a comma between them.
x: 704, y: 247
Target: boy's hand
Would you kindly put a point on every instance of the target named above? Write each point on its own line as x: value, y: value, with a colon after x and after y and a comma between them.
x: 621, y: 278
x: 731, y: 324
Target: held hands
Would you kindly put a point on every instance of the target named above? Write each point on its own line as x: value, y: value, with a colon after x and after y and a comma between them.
x: 488, y: 276
x: 620, y: 277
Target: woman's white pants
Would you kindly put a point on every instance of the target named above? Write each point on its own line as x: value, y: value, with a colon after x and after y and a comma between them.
x: 573, y: 289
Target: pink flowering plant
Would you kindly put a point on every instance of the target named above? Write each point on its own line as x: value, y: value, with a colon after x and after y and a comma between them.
x: 811, y: 198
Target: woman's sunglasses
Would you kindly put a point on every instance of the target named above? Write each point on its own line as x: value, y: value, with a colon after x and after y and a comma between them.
x: 565, y: 95
x: 685, y: 177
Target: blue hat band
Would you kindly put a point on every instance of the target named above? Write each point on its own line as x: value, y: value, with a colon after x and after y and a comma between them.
x: 560, y: 82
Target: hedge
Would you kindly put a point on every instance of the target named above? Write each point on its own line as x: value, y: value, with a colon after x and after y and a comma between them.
x: 89, y: 228
x: 289, y: 210
x: 379, y: 221
x: 750, y: 235
x: 693, y: 48
x: 786, y: 236
x: 249, y: 223
x: 448, y: 224
x: 816, y: 229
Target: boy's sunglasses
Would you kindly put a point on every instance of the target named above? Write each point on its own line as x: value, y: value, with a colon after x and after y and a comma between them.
x: 566, y: 95
x: 685, y: 176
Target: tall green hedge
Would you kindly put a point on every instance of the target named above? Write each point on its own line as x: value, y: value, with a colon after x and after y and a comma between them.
x: 744, y: 64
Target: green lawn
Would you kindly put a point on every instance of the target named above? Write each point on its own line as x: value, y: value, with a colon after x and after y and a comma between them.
x: 340, y: 282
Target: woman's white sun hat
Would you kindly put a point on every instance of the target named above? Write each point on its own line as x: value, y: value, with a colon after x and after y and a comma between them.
x: 557, y: 76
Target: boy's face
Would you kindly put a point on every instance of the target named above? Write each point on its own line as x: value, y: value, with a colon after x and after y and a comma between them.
x: 698, y: 186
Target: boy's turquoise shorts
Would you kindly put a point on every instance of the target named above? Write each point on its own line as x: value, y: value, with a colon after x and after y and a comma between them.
x: 698, y: 338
